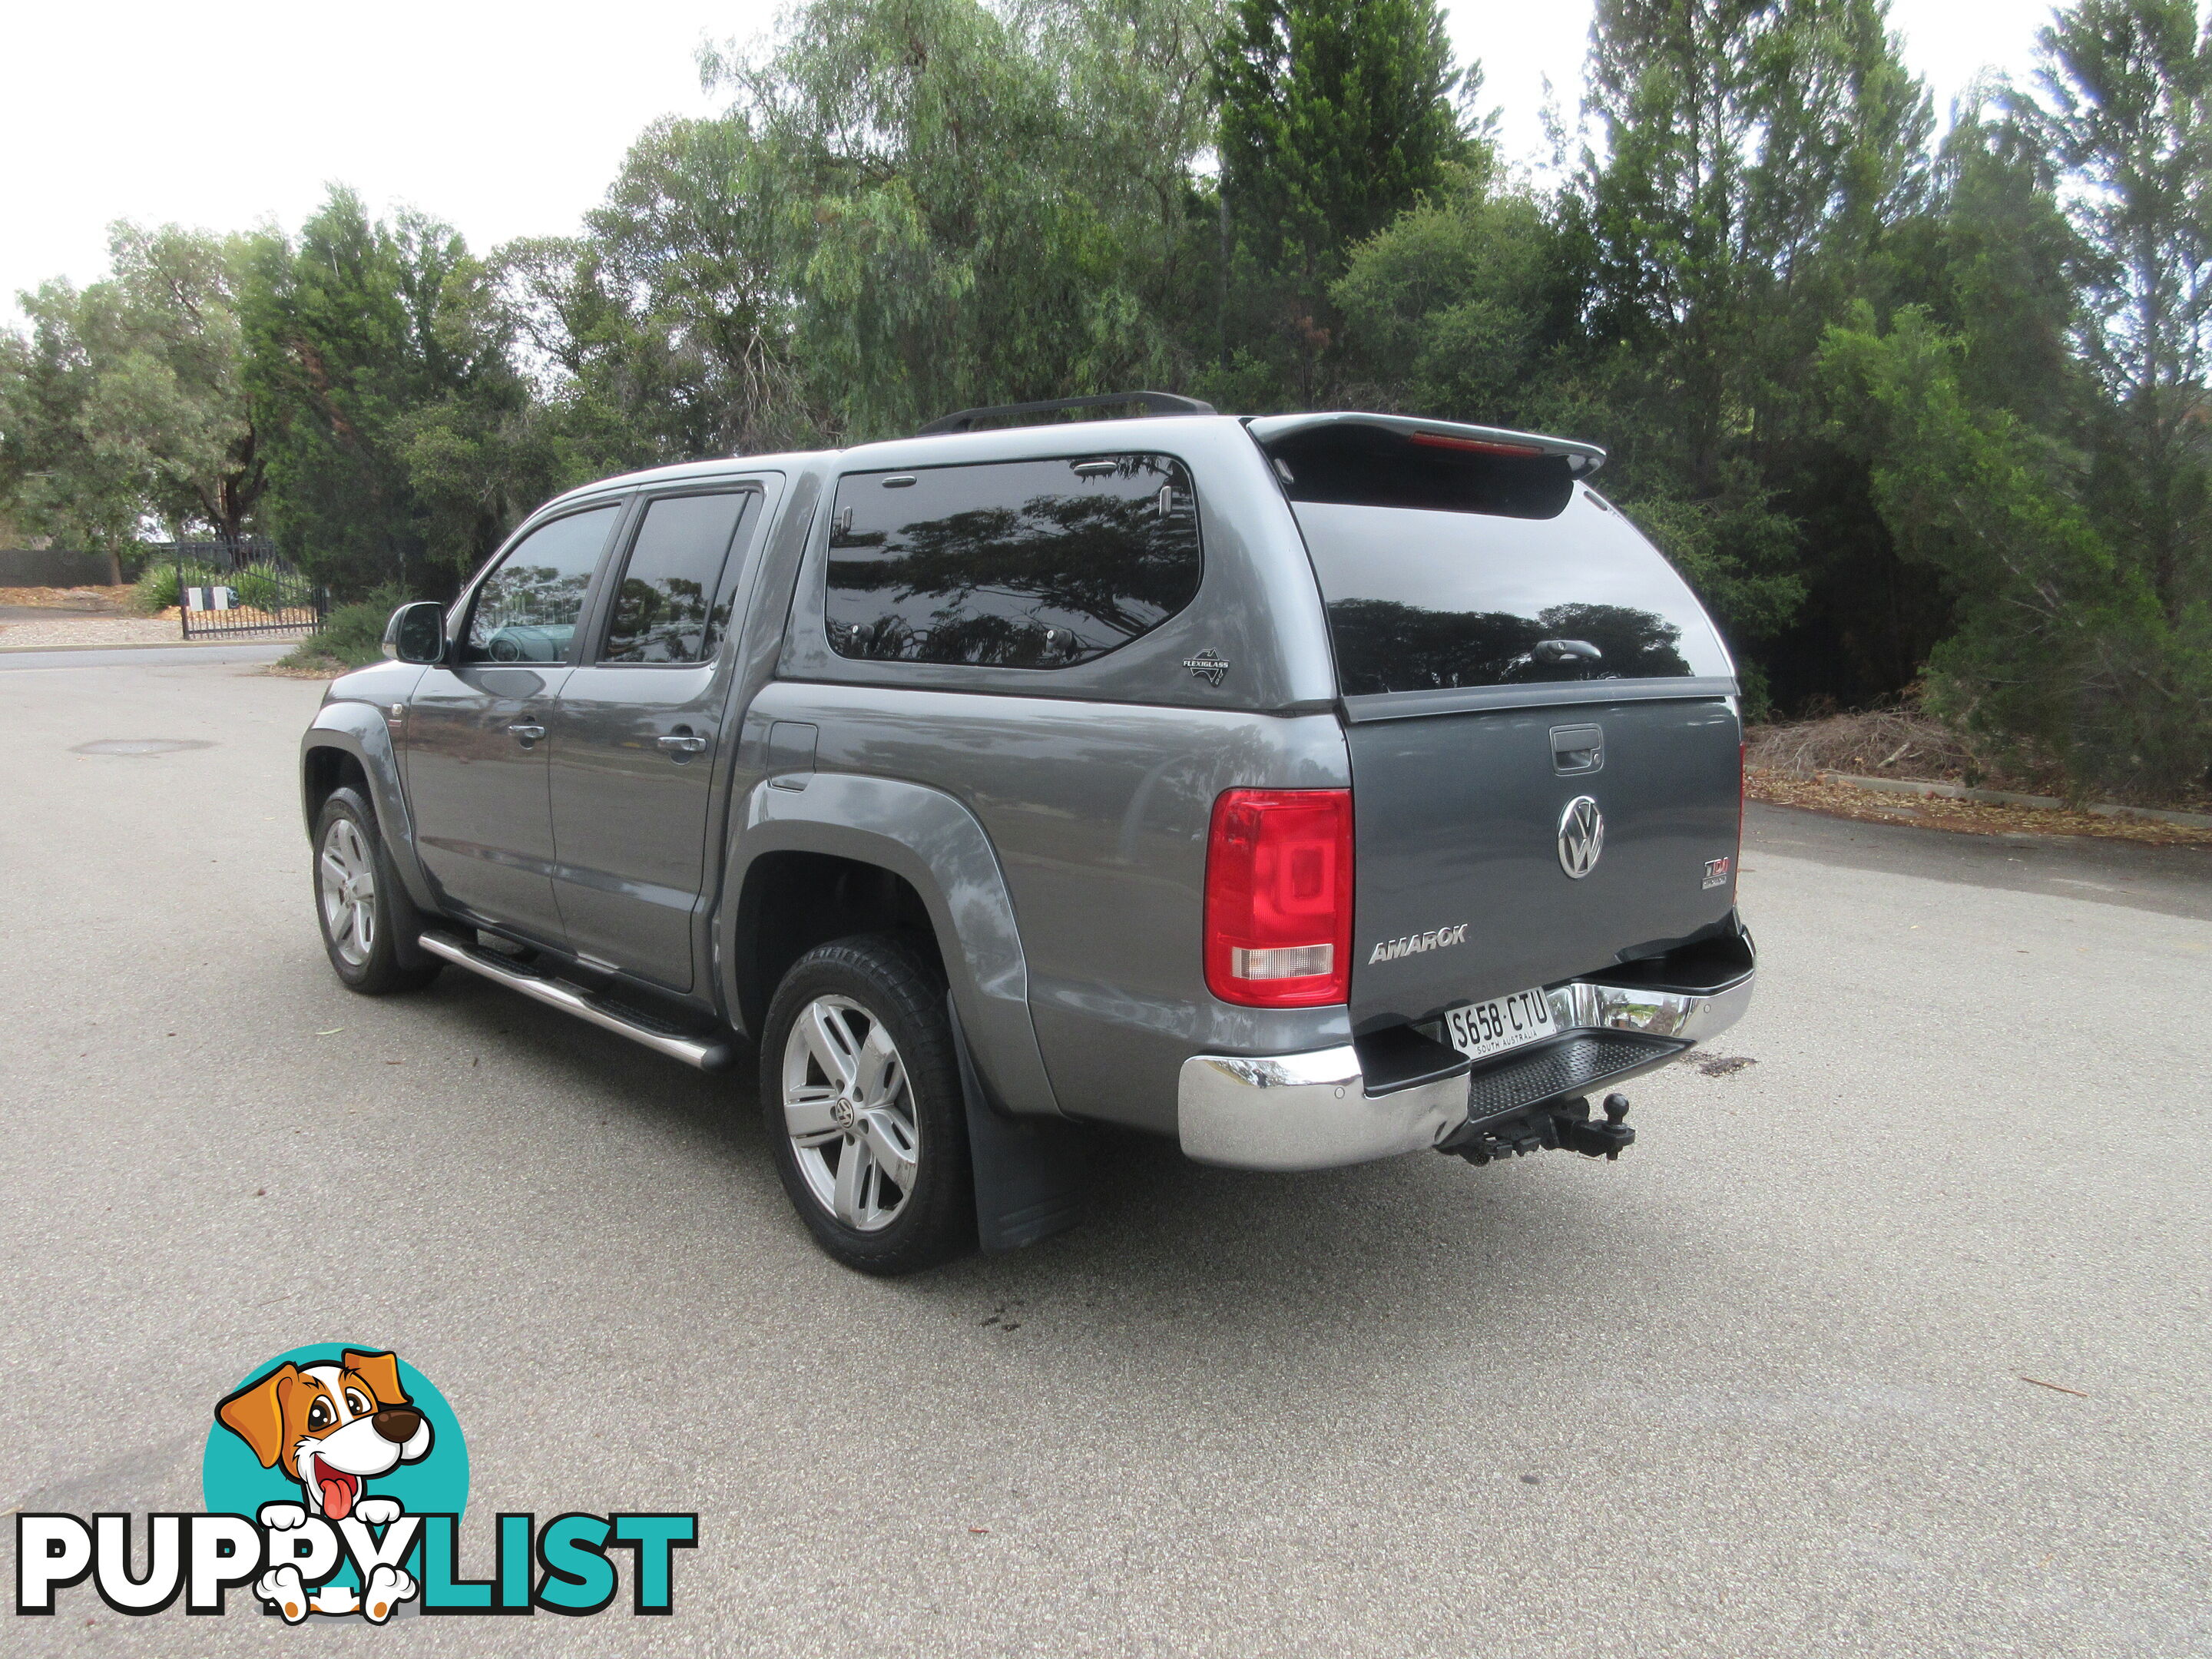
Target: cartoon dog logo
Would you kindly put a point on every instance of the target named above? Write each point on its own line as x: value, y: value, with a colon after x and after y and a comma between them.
x: 332, y: 1428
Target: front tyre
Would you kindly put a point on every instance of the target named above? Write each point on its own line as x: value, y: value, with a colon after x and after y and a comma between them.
x: 357, y: 894
x: 860, y: 1088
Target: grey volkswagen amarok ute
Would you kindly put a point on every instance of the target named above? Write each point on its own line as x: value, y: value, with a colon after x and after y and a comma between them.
x: 1309, y: 789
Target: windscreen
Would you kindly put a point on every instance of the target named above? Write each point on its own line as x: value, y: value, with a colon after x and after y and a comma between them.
x: 1420, y: 600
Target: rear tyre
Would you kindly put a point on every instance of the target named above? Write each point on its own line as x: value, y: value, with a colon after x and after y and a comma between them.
x: 861, y: 1088
x: 359, y: 902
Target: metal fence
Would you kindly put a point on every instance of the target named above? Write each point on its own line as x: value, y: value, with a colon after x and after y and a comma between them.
x: 242, y: 589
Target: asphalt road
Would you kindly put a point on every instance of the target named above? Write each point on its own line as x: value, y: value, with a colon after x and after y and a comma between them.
x: 1755, y: 1389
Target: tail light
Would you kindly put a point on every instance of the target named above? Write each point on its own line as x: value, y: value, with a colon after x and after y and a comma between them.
x: 1279, y: 898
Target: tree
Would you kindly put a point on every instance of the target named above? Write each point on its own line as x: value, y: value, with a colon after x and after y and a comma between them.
x: 978, y: 206
x: 1336, y: 116
x: 401, y: 441
x: 124, y: 404
x: 1459, y: 308
x: 2126, y: 111
x: 2063, y: 650
x: 2063, y: 496
x: 1999, y: 267
x: 1759, y: 154
x: 669, y: 321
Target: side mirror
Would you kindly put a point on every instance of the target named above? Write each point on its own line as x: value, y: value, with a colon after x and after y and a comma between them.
x: 417, y: 632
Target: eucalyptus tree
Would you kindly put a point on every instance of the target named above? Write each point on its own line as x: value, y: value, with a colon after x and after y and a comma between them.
x: 664, y: 331
x: 123, y: 407
x: 979, y: 205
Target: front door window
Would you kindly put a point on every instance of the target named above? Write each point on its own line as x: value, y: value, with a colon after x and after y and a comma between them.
x: 527, y: 610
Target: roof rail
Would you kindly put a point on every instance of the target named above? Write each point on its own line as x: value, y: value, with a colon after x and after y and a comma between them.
x: 1152, y: 402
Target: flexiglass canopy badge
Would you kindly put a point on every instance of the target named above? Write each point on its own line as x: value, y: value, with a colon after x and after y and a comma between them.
x: 335, y: 1478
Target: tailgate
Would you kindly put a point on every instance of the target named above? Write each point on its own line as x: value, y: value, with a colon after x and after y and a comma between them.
x: 1461, y: 889
x: 1520, y: 671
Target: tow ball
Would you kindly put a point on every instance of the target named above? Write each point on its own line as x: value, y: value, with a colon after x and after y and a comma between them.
x: 1564, y: 1124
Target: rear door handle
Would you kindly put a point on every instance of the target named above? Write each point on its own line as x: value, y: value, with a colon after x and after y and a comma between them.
x: 684, y: 743
x: 528, y: 733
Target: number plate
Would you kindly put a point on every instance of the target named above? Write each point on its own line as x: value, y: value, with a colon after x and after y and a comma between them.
x: 1483, y: 1028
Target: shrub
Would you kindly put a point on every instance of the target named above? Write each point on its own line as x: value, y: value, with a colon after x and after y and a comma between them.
x: 352, y: 635
x: 258, y: 589
x: 161, y: 584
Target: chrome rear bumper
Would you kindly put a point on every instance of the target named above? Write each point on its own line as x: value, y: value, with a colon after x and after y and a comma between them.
x: 1582, y: 1005
x: 1312, y: 1111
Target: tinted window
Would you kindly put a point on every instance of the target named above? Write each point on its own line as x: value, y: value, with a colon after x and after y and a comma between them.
x: 1025, y: 564
x: 1427, y: 600
x: 526, y: 610
x: 671, y: 606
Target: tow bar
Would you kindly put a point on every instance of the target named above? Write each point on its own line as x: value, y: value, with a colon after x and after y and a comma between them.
x: 1564, y: 1124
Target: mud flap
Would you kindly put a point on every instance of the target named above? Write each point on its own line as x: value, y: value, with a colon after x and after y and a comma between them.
x: 406, y: 914
x: 1031, y: 1173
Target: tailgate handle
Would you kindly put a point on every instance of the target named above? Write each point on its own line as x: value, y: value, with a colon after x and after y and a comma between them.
x: 1577, y: 749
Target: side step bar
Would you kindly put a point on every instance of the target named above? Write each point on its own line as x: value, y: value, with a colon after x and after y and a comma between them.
x: 708, y: 1054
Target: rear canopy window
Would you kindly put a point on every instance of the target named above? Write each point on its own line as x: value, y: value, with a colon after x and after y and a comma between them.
x: 1423, y: 600
x: 1017, y: 564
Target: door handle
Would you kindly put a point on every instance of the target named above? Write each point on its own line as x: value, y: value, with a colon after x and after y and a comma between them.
x: 682, y: 743
x: 527, y: 733
x: 1577, y: 749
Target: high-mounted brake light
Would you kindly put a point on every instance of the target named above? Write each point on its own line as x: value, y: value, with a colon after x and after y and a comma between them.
x: 1478, y: 445
x: 1279, y: 897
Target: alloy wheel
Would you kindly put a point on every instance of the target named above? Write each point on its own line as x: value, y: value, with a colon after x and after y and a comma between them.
x: 848, y: 1109
x: 349, y: 887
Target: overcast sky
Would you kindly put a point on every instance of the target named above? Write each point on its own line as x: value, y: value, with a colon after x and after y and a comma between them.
x: 507, y: 119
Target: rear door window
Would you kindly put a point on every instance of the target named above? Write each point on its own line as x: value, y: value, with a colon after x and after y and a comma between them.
x: 1446, y: 568
x: 671, y: 606
x: 1015, y: 564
